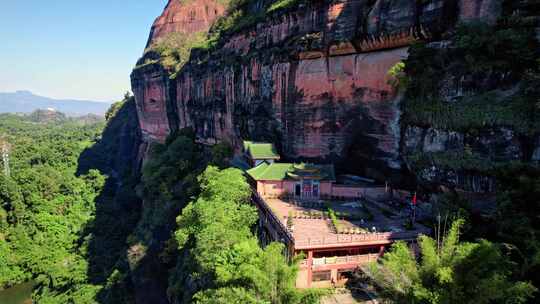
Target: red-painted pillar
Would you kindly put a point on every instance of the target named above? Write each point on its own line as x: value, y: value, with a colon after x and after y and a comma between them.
x: 309, y: 265
x: 381, y: 251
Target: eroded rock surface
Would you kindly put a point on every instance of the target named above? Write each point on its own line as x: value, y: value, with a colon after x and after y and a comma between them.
x: 151, y: 87
x: 186, y: 16
x: 312, y: 80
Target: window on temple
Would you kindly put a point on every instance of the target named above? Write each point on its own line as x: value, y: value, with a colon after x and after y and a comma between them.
x: 322, y: 276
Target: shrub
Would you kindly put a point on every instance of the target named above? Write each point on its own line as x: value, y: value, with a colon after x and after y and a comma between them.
x: 398, y: 77
x: 221, y: 154
x: 283, y: 5
x: 175, y: 49
x: 334, y: 220
x: 449, y: 271
x: 290, y: 221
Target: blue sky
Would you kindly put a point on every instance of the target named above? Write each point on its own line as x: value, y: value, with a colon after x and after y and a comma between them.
x: 73, y: 48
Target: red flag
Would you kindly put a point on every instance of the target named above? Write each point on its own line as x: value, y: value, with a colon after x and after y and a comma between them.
x: 414, y: 199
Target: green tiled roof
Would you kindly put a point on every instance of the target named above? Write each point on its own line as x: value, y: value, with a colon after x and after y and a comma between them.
x: 265, y: 171
x: 247, y: 143
x: 312, y: 171
x: 261, y: 150
x: 282, y: 171
x: 258, y: 171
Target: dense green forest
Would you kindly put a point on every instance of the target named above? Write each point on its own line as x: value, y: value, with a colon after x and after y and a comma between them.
x: 213, y: 256
x: 60, y: 204
x: 45, y: 207
x: 73, y: 221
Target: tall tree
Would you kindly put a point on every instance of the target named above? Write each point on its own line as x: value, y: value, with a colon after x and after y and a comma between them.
x: 225, y: 259
x: 449, y: 272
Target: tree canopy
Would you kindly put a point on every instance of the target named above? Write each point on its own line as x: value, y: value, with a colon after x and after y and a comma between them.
x: 45, y: 206
x: 230, y: 266
x: 449, y: 271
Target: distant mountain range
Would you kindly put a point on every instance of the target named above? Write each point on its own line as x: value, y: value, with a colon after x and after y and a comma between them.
x: 26, y: 102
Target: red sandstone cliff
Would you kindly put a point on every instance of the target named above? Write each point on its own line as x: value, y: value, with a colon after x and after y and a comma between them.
x: 151, y: 84
x: 186, y: 16
x: 312, y: 80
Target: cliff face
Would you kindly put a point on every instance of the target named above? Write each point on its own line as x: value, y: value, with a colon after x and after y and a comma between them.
x: 477, y: 117
x: 155, y: 93
x: 186, y: 16
x: 312, y: 79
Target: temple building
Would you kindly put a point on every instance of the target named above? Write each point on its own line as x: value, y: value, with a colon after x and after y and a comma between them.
x: 337, y: 227
x: 257, y: 153
x: 301, y: 181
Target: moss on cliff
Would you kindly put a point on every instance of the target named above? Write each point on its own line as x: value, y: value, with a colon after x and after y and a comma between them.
x: 457, y: 160
x: 280, y: 5
x: 482, y: 78
x: 474, y: 113
x: 175, y: 49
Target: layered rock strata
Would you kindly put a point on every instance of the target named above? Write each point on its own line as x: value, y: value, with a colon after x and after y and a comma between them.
x: 313, y: 80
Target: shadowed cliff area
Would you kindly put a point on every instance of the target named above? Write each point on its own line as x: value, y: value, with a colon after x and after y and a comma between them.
x: 118, y: 208
x: 131, y: 249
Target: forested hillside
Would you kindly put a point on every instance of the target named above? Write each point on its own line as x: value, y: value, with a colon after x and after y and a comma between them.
x: 60, y: 204
x: 45, y: 208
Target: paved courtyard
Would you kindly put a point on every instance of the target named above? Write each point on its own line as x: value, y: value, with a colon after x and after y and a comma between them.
x: 365, y: 218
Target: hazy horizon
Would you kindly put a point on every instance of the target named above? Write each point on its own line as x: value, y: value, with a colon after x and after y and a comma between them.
x: 27, y: 102
x: 60, y: 99
x: 79, y: 50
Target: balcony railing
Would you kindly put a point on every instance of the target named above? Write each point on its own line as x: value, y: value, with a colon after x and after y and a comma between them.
x: 349, y: 259
x: 356, y: 238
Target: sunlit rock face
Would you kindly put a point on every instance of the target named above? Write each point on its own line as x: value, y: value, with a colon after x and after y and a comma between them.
x: 153, y: 89
x: 314, y: 81
x: 332, y: 102
x: 314, y: 108
x: 150, y: 86
x: 186, y: 16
